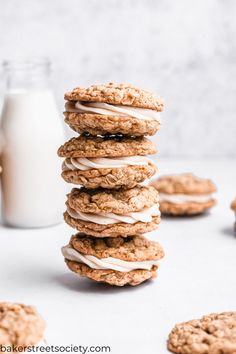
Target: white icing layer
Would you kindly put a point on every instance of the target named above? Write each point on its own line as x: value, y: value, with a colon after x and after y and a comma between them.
x: 183, y: 198
x: 105, y: 263
x: 84, y: 164
x: 112, y: 110
x: 111, y: 218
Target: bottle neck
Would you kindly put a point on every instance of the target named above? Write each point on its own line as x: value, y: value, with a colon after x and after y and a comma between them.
x: 28, y: 75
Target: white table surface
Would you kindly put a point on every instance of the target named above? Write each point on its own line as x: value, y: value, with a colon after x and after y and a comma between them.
x: 196, y: 277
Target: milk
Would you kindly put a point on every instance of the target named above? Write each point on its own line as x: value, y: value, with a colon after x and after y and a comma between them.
x: 32, y: 191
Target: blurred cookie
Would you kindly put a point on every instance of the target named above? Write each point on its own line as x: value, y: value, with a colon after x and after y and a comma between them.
x: 233, y: 207
x: 113, y: 108
x: 116, y: 261
x: 106, y: 212
x: 184, y: 194
x: 212, y: 334
x: 20, y: 325
x: 108, y: 162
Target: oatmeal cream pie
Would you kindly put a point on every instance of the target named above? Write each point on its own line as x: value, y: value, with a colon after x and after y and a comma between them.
x: 113, y: 108
x: 111, y: 213
x: 116, y: 261
x: 233, y: 207
x: 108, y: 162
x: 212, y: 334
x: 184, y: 194
x: 20, y: 325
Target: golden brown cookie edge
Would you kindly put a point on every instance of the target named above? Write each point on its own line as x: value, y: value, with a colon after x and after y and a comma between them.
x: 112, y: 277
x: 110, y: 178
x: 112, y: 230
x: 97, y: 124
x: 117, y: 94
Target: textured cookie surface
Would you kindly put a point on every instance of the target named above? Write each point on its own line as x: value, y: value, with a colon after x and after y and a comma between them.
x: 131, y: 249
x: 112, y: 277
x: 20, y: 325
x: 212, y: 334
x: 188, y: 208
x: 233, y: 205
x: 185, y: 183
x: 97, y: 124
x: 88, y: 146
x: 111, y: 178
x: 112, y: 230
x: 120, y: 94
x: 122, y: 201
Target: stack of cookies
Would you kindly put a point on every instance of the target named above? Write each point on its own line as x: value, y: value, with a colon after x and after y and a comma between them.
x: 111, y: 211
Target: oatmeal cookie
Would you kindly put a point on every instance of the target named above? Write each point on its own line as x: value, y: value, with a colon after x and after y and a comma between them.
x: 117, y: 94
x: 20, y: 325
x: 212, y: 334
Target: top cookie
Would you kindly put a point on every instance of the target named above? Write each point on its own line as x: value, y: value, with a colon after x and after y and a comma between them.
x: 214, y: 333
x: 117, y: 94
x: 233, y: 205
x: 185, y: 183
x: 110, y: 146
x: 20, y: 325
x: 131, y: 249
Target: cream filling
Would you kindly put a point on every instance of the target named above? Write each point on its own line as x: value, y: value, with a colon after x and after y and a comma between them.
x: 183, y: 198
x: 112, y: 110
x: 111, y: 218
x: 105, y: 263
x: 84, y: 164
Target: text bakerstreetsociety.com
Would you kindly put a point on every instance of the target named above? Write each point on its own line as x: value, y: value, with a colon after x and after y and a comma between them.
x: 55, y: 349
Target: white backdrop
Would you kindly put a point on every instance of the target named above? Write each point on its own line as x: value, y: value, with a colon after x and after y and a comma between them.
x: 185, y: 50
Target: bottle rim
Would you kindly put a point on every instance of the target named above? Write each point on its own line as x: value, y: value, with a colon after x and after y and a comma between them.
x: 26, y: 64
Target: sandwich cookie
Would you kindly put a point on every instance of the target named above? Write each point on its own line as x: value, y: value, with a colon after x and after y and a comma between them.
x: 20, y: 325
x: 212, y: 334
x: 113, y: 108
x: 233, y: 207
x: 184, y: 194
x: 112, y: 213
x: 116, y: 261
x: 107, y: 162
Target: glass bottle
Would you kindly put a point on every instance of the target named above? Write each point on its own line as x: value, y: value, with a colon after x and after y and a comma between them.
x: 32, y: 191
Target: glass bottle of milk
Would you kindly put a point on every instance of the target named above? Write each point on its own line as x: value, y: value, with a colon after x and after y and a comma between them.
x: 32, y: 191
